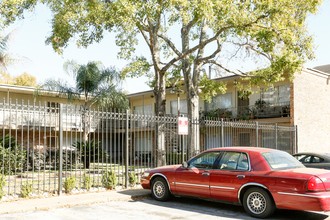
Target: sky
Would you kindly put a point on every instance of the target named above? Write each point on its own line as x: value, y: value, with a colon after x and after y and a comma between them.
x: 27, y: 45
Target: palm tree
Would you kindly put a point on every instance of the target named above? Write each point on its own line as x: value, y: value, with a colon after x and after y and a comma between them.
x: 5, y: 58
x: 97, y: 86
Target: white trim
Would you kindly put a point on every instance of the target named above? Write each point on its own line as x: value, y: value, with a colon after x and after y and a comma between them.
x: 222, y: 187
x: 190, y: 184
x: 204, y: 186
x: 305, y: 195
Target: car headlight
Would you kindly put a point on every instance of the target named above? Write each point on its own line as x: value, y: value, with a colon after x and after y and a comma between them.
x: 145, y: 174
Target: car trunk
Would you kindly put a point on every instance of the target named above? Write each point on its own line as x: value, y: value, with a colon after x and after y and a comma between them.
x: 323, y: 174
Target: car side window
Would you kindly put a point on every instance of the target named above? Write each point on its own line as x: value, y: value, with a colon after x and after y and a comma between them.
x: 234, y: 161
x: 317, y: 160
x: 204, y: 161
x: 243, y: 163
x: 306, y: 159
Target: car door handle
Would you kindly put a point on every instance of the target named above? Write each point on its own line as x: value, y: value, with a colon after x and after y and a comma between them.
x: 240, y: 177
x: 205, y: 174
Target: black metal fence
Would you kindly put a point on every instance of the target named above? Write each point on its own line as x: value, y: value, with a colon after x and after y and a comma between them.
x: 42, y: 148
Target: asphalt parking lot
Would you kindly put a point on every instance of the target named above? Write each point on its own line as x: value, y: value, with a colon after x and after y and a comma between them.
x: 132, y: 204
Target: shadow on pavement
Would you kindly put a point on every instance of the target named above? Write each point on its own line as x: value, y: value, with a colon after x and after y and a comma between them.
x: 229, y: 211
x: 136, y: 193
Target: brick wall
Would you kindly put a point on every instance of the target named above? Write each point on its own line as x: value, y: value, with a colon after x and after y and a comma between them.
x: 311, y: 100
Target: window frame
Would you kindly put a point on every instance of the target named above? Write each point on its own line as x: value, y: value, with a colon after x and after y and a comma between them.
x: 221, y: 161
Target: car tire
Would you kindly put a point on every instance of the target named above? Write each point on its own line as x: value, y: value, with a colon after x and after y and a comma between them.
x: 160, y: 190
x: 258, y: 203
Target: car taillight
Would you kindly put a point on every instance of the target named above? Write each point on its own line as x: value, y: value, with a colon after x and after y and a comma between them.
x: 315, y: 184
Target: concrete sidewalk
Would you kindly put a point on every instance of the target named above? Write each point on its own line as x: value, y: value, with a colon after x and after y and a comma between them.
x: 26, y: 205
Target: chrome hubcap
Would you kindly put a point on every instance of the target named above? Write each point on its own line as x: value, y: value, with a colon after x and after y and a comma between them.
x: 256, y: 203
x: 159, y: 189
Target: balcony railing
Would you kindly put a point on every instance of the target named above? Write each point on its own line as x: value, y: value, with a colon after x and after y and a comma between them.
x: 260, y: 110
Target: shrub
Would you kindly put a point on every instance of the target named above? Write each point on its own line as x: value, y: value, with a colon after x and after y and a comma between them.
x: 26, y: 190
x: 8, y: 142
x: 69, y: 184
x: 69, y: 158
x: 132, y: 179
x: 12, y: 160
x: 87, y: 181
x: 109, y: 179
x: 2, y: 184
x: 36, y: 159
x: 90, y: 151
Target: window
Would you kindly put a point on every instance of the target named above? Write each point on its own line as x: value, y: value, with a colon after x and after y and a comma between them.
x: 280, y: 160
x: 183, y: 107
x: 276, y: 95
x: 53, y: 107
x: 234, y: 161
x: 317, y: 160
x: 284, y: 94
x: 143, y: 109
x: 143, y: 148
x: 143, y: 144
x: 221, y: 101
x: 204, y: 161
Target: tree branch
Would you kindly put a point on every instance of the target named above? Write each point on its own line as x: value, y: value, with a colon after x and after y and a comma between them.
x: 217, y: 51
x: 205, y: 42
x: 224, y: 68
x: 170, y: 44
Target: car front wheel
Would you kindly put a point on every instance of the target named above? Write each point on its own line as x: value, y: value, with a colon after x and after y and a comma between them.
x: 159, y: 189
x: 258, y: 203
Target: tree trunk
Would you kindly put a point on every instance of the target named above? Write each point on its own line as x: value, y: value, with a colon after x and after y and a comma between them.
x: 160, y: 109
x: 193, y: 129
x: 191, y: 87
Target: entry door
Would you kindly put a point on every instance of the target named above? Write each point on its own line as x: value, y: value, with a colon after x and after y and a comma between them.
x: 195, y: 180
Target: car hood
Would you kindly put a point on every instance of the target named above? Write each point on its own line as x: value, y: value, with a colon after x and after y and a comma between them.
x: 169, y: 168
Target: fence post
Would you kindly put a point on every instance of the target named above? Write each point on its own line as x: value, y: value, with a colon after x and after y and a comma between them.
x: 295, y: 147
x: 60, y: 143
x: 257, y: 134
x: 126, y: 150
x: 276, y: 136
x: 222, y: 134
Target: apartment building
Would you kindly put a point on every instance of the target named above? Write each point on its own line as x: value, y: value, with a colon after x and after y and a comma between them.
x: 302, y: 102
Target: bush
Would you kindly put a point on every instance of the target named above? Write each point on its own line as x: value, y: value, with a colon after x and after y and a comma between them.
x: 87, y: 182
x: 69, y: 184
x: 12, y: 160
x: 26, y: 190
x: 109, y: 179
x: 69, y: 158
x: 132, y: 179
x: 2, y: 185
x: 36, y: 159
x: 90, y: 151
x: 12, y: 157
x: 8, y: 142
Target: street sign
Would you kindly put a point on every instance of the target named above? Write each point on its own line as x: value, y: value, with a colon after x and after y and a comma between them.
x: 182, y: 125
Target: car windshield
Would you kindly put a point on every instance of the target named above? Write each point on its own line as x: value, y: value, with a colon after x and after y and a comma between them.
x: 280, y: 160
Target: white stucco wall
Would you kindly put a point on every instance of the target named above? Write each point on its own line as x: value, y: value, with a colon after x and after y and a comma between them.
x: 312, y: 110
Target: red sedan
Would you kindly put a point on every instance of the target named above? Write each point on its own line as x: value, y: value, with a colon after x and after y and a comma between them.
x: 260, y: 179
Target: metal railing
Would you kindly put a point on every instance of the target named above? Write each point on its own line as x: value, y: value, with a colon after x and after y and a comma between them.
x: 260, y: 110
x: 43, y: 147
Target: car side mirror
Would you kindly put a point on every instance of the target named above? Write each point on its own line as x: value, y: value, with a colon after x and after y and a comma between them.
x: 185, y: 165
